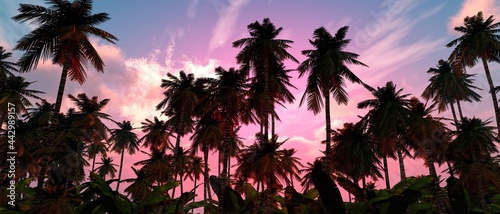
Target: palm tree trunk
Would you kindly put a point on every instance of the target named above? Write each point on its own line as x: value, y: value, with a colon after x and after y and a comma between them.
x: 433, y: 174
x: 492, y: 92
x: 60, y: 91
x: 386, y: 172
x: 269, y: 196
x: 326, y: 161
x: 120, y: 172
x: 401, y: 165
x: 206, y: 188
x: 173, y: 190
x: 273, y: 125
x: 182, y: 183
x: 460, y: 110
x: 192, y: 210
x: 266, y: 96
x: 225, y: 156
x: 454, y: 115
x: 482, y: 194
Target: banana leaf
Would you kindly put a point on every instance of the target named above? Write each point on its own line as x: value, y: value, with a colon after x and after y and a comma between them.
x: 328, y: 191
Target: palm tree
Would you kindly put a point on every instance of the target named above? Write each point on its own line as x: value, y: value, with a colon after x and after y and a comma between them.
x: 447, y: 87
x: 181, y: 97
x: 107, y: 167
x: 62, y: 35
x: 327, y: 71
x: 14, y: 90
x: 90, y: 118
x: 291, y: 165
x: 474, y: 141
x: 264, y: 53
x: 6, y: 67
x: 479, y: 40
x: 140, y: 186
x: 354, y: 154
x: 195, y: 170
x: 158, y: 166
x: 387, y: 119
x: 430, y: 138
x: 157, y: 135
x: 263, y: 162
x: 123, y: 140
x: 208, y: 136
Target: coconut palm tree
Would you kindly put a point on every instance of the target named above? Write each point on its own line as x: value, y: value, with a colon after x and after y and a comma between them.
x: 263, y: 163
x: 229, y: 98
x: 140, y: 186
x: 263, y: 53
x: 479, y: 40
x: 388, y: 117
x: 158, y: 166
x: 6, y: 67
x: 327, y: 71
x: 207, y: 136
x: 474, y: 141
x: 107, y: 167
x: 62, y: 35
x: 15, y: 90
x: 181, y: 98
x: 354, y: 154
x: 447, y: 87
x: 430, y: 138
x: 90, y: 118
x: 123, y: 139
x: 157, y: 134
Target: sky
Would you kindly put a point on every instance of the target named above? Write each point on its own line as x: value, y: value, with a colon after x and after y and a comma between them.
x: 398, y: 39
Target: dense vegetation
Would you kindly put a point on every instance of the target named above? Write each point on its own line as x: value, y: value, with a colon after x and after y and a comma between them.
x: 67, y: 153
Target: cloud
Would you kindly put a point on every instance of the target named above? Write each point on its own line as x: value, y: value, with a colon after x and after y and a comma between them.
x: 228, y: 14
x: 471, y: 8
x: 191, y: 12
x: 387, y: 38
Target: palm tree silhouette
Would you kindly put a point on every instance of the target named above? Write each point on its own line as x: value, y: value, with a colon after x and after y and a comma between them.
x: 479, y: 40
x: 326, y: 71
x: 264, y: 53
x: 123, y: 139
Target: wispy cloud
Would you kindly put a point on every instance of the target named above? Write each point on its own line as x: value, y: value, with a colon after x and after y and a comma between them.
x: 228, y: 14
x: 191, y: 12
x: 471, y: 8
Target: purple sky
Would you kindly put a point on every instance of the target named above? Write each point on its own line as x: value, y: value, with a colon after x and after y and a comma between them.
x: 398, y: 40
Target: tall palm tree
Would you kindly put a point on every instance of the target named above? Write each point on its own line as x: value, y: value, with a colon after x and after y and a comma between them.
x: 479, y: 40
x: 229, y: 97
x: 107, y: 167
x: 208, y: 136
x: 181, y: 97
x: 123, y: 139
x: 430, y: 138
x: 263, y: 53
x: 6, y: 67
x: 354, y: 154
x: 474, y: 141
x: 447, y: 87
x: 327, y: 71
x: 61, y: 35
x: 90, y: 118
x: 387, y: 119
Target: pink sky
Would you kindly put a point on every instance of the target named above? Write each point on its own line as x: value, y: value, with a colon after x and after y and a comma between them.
x: 398, y: 40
